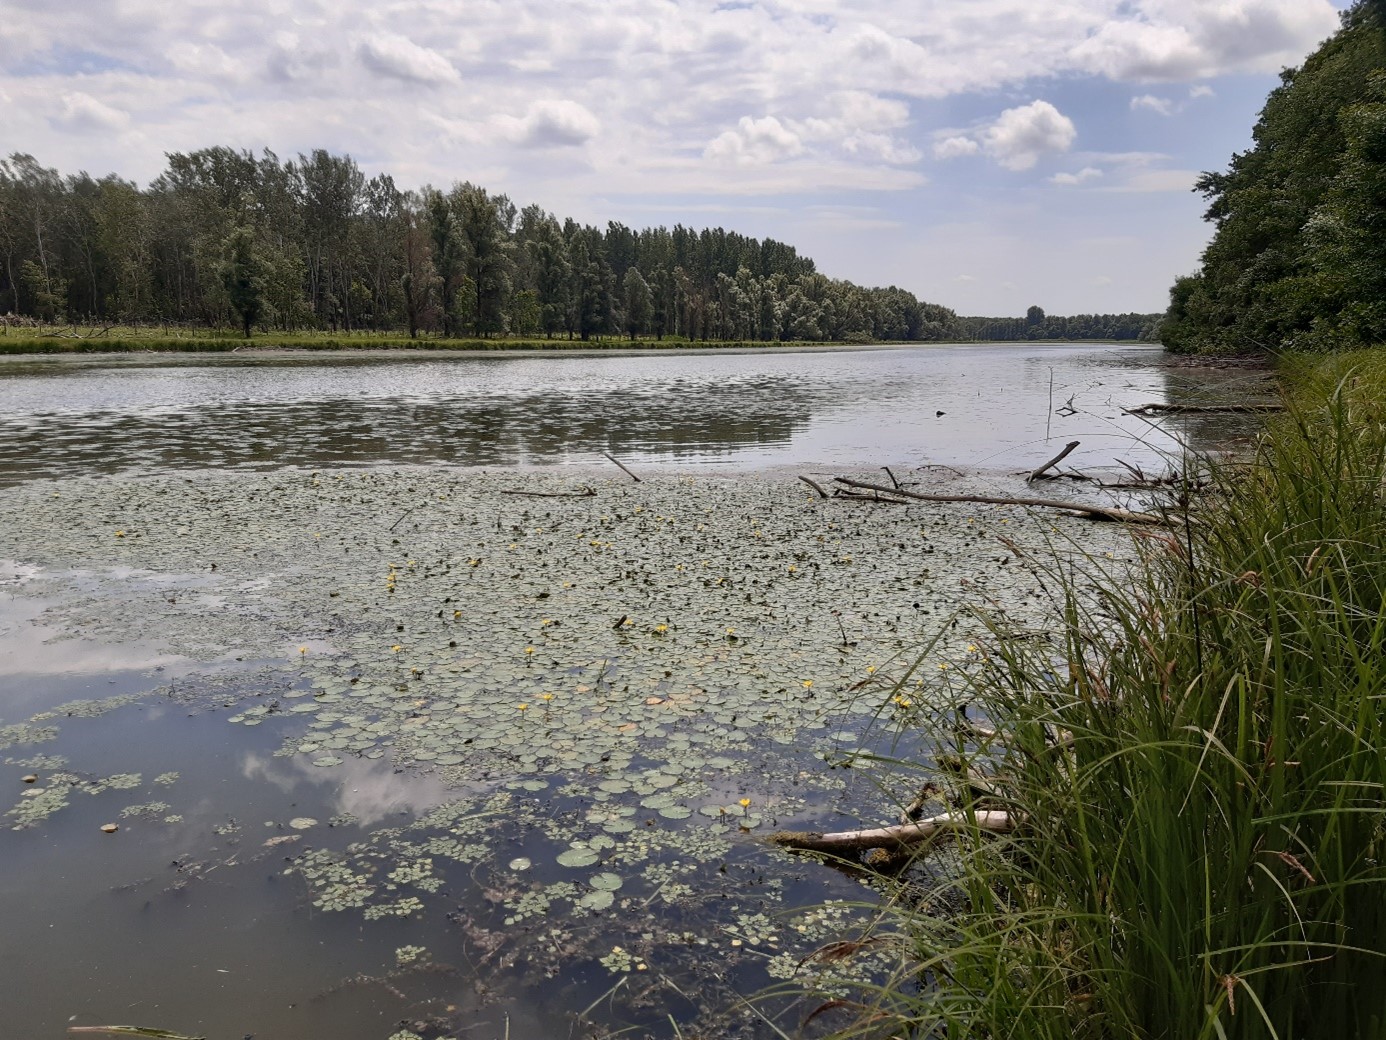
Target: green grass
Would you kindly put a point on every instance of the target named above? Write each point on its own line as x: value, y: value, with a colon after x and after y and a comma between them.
x: 1206, y: 859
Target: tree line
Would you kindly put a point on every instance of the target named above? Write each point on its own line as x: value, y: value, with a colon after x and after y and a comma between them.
x: 1038, y: 325
x: 1298, y: 258
x: 224, y: 238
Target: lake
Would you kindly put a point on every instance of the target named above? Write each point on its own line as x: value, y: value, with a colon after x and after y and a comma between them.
x: 969, y: 406
x: 384, y: 745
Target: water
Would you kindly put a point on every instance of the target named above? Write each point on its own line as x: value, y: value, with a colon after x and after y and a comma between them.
x: 972, y: 406
x: 186, y: 919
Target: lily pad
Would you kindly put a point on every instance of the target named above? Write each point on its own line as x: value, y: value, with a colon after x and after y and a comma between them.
x: 577, y: 858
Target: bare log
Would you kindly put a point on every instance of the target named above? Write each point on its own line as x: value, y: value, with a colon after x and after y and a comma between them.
x: 1158, y: 408
x: 839, y: 493
x: 585, y: 492
x: 1092, y: 512
x: 905, y: 835
x: 623, y: 468
x: 816, y: 486
x: 1039, y: 473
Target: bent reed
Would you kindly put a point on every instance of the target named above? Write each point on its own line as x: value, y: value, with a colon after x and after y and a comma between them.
x: 1197, y: 767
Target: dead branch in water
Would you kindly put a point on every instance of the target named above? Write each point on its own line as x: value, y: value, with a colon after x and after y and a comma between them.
x: 1039, y: 474
x: 816, y: 486
x: 623, y: 468
x: 1158, y: 408
x: 1091, y: 512
x: 901, y: 836
x: 585, y: 492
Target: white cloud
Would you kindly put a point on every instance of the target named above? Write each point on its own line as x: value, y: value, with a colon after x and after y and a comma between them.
x: 1087, y: 173
x: 1162, y: 106
x: 1202, y: 90
x: 755, y: 142
x: 1020, y: 136
x: 82, y: 113
x: 1184, y: 39
x: 955, y: 147
x: 401, y: 58
x: 554, y: 124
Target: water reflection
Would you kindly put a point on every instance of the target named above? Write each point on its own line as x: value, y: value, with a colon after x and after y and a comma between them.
x: 974, y: 405
x: 369, y: 790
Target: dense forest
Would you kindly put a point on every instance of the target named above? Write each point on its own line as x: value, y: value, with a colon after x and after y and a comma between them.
x: 223, y: 238
x: 1299, y: 255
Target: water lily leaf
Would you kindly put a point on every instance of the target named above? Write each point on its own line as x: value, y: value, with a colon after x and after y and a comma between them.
x: 577, y: 858
x: 598, y: 900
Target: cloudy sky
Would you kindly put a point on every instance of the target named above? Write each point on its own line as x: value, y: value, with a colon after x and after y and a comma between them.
x: 985, y: 154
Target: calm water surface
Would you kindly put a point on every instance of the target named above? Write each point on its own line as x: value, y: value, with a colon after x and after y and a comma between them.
x: 977, y: 405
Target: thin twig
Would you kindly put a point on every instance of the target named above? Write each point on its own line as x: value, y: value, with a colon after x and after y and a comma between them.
x: 623, y: 468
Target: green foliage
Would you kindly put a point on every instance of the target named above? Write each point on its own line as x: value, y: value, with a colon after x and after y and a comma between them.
x: 1197, y: 764
x: 1298, y: 215
x: 244, y: 277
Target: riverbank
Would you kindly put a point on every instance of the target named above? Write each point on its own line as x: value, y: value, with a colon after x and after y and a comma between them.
x: 121, y: 340
x: 1195, y: 771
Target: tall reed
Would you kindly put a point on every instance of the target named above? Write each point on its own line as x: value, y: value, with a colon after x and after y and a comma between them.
x: 1198, y: 766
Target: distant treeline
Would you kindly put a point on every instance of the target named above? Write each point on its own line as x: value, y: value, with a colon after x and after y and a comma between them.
x: 225, y: 239
x: 1038, y: 325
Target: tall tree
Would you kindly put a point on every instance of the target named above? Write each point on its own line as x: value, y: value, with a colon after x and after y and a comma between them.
x: 639, y: 302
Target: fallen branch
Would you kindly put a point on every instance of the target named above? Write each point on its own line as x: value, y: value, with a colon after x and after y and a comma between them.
x: 1157, y: 408
x: 585, y: 492
x: 891, y: 476
x: 905, y: 835
x: 1039, y: 473
x: 839, y: 493
x: 816, y: 486
x: 623, y: 468
x: 161, y: 1034
x: 1092, y: 512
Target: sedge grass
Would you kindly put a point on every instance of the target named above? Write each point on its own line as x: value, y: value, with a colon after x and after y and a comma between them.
x: 1199, y: 765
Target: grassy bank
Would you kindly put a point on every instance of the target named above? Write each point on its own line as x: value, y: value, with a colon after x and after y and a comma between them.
x: 1198, y: 767
x: 134, y: 339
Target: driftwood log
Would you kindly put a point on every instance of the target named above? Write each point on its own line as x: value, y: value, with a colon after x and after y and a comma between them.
x: 901, y: 836
x: 585, y: 492
x: 1091, y: 512
x: 1157, y: 408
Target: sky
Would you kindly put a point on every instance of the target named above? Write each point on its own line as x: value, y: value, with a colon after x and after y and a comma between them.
x: 984, y: 154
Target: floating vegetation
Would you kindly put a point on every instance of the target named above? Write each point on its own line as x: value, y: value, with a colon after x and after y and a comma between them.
x: 619, y: 691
